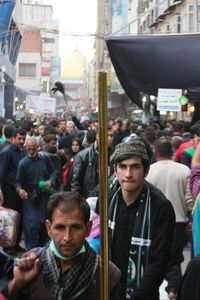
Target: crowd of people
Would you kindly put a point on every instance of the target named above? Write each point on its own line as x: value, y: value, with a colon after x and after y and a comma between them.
x: 49, y: 168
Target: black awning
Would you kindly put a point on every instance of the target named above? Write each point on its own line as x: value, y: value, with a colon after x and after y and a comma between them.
x: 145, y: 63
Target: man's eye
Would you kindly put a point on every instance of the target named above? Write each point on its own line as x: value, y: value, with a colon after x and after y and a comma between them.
x: 123, y: 167
x: 77, y: 227
x: 136, y: 167
x: 59, y: 227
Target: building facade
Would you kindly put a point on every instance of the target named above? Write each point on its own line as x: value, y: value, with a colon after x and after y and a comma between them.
x: 132, y: 17
x: 38, y: 64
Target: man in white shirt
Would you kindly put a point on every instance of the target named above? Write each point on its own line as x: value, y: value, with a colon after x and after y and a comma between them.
x: 172, y: 179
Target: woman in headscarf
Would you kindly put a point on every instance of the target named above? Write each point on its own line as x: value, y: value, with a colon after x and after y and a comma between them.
x: 75, y: 147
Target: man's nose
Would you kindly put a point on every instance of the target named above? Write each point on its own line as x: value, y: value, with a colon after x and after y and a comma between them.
x: 128, y: 172
x: 67, y: 236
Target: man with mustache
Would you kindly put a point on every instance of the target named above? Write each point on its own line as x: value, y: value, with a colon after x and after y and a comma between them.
x: 67, y: 267
x: 10, y: 156
x: 35, y: 182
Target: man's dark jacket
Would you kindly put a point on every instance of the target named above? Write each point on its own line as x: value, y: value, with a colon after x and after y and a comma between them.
x: 85, y: 171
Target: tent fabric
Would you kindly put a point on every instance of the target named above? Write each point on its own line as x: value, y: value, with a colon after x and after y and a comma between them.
x: 145, y: 63
x: 6, y: 9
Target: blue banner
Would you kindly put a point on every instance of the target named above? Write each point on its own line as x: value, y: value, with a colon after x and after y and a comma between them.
x: 6, y: 9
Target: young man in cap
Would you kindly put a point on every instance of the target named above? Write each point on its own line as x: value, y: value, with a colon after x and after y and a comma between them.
x: 141, y: 221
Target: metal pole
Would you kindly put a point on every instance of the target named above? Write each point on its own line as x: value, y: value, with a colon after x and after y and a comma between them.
x: 66, y: 101
x: 103, y: 182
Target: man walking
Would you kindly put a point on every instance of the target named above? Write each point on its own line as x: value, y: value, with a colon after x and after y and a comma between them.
x: 34, y: 182
x: 172, y: 179
x: 10, y: 157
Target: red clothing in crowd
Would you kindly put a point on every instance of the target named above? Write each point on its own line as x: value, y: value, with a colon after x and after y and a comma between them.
x: 181, y: 148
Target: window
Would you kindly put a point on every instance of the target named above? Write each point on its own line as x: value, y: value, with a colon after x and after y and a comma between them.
x: 191, y: 18
x: 48, y: 40
x: 27, y: 70
x: 152, y: 16
x: 130, y: 4
x: 44, y: 86
x: 194, y: 17
x: 168, y: 29
x: 198, y: 17
x: 144, y: 26
x: 148, y: 21
x: 178, y: 23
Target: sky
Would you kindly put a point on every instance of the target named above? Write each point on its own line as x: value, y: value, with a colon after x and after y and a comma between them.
x: 75, y: 17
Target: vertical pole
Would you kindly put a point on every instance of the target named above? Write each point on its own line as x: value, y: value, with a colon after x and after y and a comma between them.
x: 103, y: 182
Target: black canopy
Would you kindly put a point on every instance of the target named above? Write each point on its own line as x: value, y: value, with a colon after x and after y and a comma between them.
x: 144, y: 63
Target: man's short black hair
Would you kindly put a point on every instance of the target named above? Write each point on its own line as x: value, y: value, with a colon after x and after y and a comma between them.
x: 194, y: 130
x: 27, y: 125
x: 66, y: 202
x: 150, y: 135
x: 54, y: 123
x: 19, y: 131
x: 145, y: 162
x: 91, y: 136
x: 163, y: 147
x: 8, y: 131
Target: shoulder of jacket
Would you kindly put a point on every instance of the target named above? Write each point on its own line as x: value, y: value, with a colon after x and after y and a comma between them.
x: 83, y: 153
x: 114, y: 275
x: 44, y: 155
x: 6, y: 149
x: 25, y: 159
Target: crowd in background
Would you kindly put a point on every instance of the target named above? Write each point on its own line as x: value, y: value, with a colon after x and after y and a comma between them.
x: 38, y: 158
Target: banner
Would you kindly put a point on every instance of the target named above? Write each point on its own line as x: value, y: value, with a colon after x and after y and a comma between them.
x: 41, y: 104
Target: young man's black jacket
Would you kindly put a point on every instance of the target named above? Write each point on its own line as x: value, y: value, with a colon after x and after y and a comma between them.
x: 161, y: 235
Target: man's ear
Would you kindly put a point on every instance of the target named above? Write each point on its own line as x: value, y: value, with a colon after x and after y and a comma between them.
x: 156, y: 154
x: 88, y: 228
x: 48, y: 227
x: 115, y: 170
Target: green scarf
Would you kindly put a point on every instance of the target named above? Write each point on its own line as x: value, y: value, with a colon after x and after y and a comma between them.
x: 59, y: 255
x: 140, y: 241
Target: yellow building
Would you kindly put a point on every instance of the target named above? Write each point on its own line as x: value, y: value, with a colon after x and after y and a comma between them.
x: 75, y: 67
x: 73, y: 76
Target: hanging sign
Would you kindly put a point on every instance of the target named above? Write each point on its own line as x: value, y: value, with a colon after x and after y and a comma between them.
x: 168, y: 100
